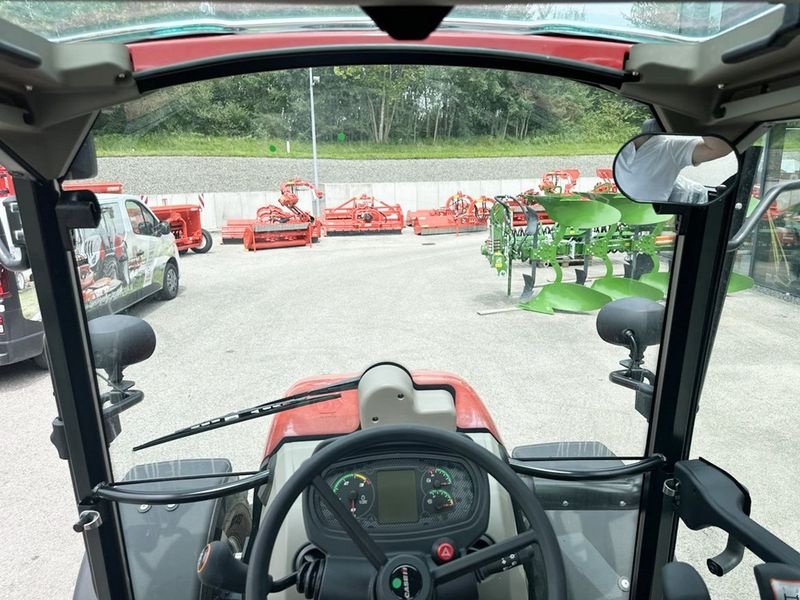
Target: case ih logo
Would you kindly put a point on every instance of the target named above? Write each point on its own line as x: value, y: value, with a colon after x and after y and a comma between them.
x: 405, y: 582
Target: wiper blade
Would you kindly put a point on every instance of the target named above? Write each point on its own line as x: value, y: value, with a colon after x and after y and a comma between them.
x: 321, y: 394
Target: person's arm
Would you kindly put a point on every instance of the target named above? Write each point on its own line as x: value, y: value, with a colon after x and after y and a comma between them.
x: 710, y: 149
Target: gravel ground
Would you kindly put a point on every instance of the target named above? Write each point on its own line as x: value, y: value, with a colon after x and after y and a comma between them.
x: 188, y: 174
x: 247, y: 325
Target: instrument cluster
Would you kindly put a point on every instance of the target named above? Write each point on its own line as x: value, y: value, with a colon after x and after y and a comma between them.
x: 399, y: 493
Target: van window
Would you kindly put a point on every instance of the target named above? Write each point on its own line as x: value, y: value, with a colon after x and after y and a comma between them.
x: 142, y: 220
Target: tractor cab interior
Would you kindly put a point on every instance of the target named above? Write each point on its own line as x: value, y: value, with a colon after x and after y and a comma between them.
x: 392, y: 451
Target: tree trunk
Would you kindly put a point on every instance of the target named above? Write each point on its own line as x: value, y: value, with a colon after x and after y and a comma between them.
x: 505, y: 127
x: 373, y: 120
x: 381, y: 126
x: 436, y: 123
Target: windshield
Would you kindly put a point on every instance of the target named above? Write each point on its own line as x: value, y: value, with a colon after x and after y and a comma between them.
x: 460, y: 222
x: 142, y: 20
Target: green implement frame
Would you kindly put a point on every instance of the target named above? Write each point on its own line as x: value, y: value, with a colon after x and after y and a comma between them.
x: 587, y: 226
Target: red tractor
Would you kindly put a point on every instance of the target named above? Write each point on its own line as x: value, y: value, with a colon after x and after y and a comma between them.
x: 184, y: 222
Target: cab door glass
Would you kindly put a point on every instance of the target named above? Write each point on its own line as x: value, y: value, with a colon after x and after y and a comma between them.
x: 747, y: 422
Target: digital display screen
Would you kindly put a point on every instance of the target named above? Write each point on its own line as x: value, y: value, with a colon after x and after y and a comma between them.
x: 397, y: 496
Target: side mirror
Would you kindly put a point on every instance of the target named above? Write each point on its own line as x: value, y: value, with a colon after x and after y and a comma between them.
x: 84, y: 165
x: 119, y: 341
x: 634, y: 323
x: 163, y: 228
x: 666, y: 168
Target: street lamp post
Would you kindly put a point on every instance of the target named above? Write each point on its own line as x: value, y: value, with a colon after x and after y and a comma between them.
x: 313, y: 138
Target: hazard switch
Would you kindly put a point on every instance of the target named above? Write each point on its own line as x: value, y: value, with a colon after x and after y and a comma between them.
x: 444, y: 550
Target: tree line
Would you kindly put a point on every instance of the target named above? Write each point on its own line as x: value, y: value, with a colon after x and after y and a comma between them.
x: 383, y: 104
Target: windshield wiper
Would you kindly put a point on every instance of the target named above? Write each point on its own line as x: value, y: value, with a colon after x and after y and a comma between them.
x: 313, y: 396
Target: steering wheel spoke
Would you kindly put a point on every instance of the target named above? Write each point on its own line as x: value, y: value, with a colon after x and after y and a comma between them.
x: 360, y: 538
x: 476, y: 560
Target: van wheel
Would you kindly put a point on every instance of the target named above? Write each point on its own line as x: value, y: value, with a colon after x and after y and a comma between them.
x: 169, y: 288
x: 41, y: 361
x: 208, y: 241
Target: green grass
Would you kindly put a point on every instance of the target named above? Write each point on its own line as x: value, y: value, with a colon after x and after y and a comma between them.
x: 199, y: 145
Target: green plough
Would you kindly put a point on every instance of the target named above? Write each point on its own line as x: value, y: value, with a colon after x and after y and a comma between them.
x: 588, y: 226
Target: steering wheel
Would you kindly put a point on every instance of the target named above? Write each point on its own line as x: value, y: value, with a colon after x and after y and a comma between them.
x: 310, y: 474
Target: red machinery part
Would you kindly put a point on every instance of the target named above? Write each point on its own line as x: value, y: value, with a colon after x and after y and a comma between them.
x: 266, y: 236
x: 184, y: 221
x: 341, y: 416
x: 606, y: 185
x: 277, y: 226
x: 98, y: 187
x: 363, y: 214
x: 461, y: 213
x: 544, y: 218
x: 233, y: 230
x: 6, y: 183
x: 559, y: 182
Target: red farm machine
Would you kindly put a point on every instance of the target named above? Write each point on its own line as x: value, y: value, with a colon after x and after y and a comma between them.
x: 559, y: 182
x: 184, y: 221
x: 461, y: 213
x: 281, y: 226
x: 606, y: 185
x: 363, y: 214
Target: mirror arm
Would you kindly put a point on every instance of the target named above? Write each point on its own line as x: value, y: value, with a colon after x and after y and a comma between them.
x: 9, y: 261
x: 7, y: 258
x: 769, y: 197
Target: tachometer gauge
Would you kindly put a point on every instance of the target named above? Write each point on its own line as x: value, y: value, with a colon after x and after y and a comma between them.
x: 356, y: 493
x: 435, y: 478
x: 438, y: 501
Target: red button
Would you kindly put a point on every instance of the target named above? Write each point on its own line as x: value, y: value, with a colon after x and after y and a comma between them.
x: 445, y: 552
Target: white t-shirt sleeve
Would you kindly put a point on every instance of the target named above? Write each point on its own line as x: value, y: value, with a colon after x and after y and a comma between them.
x: 681, y: 149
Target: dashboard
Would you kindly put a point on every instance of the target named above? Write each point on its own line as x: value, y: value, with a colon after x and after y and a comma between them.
x: 407, y: 498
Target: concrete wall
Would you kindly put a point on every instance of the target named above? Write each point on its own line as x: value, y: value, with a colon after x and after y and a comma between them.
x: 221, y: 206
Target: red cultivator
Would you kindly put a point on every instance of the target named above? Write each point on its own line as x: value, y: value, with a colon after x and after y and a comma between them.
x: 362, y: 214
x: 606, y: 185
x: 184, y: 221
x: 559, y: 182
x: 460, y: 213
x: 275, y: 227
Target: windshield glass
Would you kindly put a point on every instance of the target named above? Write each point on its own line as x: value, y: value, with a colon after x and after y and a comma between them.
x: 143, y: 20
x: 460, y: 222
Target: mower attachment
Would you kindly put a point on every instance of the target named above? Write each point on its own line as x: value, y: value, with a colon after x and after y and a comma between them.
x: 363, y: 214
x: 461, y: 213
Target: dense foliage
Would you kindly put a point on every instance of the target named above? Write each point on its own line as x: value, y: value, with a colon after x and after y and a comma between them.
x: 383, y: 104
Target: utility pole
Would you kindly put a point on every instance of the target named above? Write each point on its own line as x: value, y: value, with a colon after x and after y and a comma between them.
x: 313, y: 138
